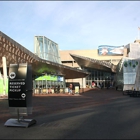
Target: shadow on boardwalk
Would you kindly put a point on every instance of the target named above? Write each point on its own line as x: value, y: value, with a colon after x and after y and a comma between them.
x: 53, y: 103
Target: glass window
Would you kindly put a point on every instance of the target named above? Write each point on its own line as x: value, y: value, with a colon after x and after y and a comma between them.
x: 47, y: 49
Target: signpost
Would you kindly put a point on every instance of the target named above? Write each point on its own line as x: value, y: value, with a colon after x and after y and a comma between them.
x: 20, y: 94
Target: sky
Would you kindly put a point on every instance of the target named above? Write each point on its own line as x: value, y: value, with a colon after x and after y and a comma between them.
x: 73, y: 25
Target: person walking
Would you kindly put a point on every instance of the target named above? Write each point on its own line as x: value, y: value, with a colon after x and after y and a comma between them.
x: 102, y: 85
x: 70, y: 89
x: 108, y: 85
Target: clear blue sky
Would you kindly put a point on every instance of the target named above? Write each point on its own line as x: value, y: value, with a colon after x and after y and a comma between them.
x: 73, y: 25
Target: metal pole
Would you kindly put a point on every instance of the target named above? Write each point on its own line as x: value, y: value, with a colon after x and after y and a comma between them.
x: 18, y: 114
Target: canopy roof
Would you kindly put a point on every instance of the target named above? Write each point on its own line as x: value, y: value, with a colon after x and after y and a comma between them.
x: 16, y: 53
x: 94, y: 63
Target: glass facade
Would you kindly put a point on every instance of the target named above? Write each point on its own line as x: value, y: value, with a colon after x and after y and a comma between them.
x: 46, y: 49
x: 99, y: 76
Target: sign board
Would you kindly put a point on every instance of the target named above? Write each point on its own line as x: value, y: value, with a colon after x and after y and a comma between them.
x: 20, y: 85
x: 110, y: 50
x: 76, y: 89
x: 20, y: 94
x: 60, y: 78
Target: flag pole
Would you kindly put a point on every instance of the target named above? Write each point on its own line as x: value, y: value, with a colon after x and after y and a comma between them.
x: 138, y: 33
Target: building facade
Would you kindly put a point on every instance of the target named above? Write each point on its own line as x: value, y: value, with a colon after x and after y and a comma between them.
x: 83, y: 66
x: 104, y: 53
x: 48, y: 64
x: 128, y: 69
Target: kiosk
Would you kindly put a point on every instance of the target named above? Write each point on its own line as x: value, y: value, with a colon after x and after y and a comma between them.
x: 20, y: 94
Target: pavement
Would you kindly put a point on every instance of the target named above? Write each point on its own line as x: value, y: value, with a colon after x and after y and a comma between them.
x: 52, y: 103
x: 93, y: 114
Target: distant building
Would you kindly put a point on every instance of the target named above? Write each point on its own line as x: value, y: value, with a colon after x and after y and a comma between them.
x: 101, y: 62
